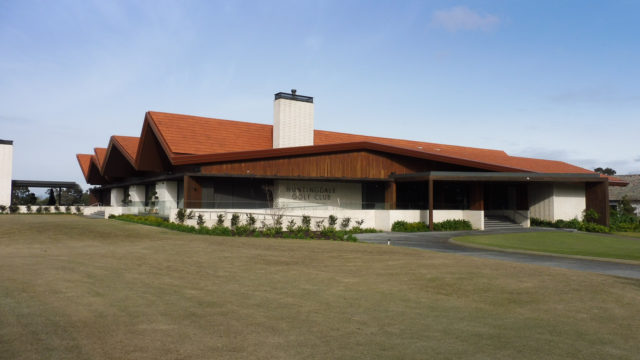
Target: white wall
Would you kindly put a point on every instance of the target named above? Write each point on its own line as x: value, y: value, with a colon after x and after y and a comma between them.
x: 292, y: 123
x: 569, y: 201
x: 136, y: 193
x: 116, y: 196
x: 541, y: 201
x: 167, y: 192
x: 379, y: 219
x: 6, y: 165
x: 290, y: 193
x: 555, y: 201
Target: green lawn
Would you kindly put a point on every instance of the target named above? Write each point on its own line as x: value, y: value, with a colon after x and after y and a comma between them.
x: 565, y: 243
x: 76, y: 288
x: 631, y: 234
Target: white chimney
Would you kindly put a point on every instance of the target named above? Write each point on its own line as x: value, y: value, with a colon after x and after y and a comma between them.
x: 292, y: 120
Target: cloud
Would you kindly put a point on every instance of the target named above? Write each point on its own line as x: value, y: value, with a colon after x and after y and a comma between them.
x: 637, y: 159
x: 462, y: 18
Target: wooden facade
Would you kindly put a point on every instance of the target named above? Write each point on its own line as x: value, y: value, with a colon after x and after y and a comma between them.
x: 347, y: 165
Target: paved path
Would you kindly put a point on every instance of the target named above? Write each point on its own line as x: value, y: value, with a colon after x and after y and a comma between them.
x: 439, y: 241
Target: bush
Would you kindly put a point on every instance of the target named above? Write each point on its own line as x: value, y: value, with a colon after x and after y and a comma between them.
x: 47, y: 209
x: 405, y: 226
x: 333, y: 220
x: 3, y: 208
x: 242, y: 230
x: 221, y: 230
x: 39, y: 210
x: 13, y: 208
x: 56, y: 208
x: 572, y: 224
x: 220, y: 221
x: 29, y: 208
x: 251, y: 221
x: 320, y: 225
x: 306, y: 222
x: 200, y: 221
x: 235, y: 220
x: 181, y: 216
x: 291, y: 225
x: 344, y: 224
x: 452, y: 225
x: 78, y: 209
x: 590, y: 216
x: 67, y: 209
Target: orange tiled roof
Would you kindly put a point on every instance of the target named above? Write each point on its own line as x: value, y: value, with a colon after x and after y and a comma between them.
x: 129, y: 144
x: 186, y: 134
x: 85, y: 161
x: 100, y: 155
x: 194, y: 135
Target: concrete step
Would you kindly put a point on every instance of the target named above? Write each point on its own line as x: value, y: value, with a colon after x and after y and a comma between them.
x: 96, y: 215
x: 495, y: 223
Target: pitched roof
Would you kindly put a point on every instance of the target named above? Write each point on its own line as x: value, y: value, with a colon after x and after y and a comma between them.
x: 85, y: 161
x: 185, y: 134
x: 128, y: 145
x: 631, y: 191
x: 100, y: 155
x: 187, y: 139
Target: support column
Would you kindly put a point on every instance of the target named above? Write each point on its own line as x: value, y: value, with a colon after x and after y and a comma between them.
x: 192, y: 193
x: 430, y: 204
x: 390, y: 196
x: 476, y: 197
x: 597, y: 198
x: 137, y: 195
x: 116, y: 195
x: 167, y: 192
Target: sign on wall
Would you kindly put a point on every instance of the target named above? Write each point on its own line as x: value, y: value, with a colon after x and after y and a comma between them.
x: 290, y: 193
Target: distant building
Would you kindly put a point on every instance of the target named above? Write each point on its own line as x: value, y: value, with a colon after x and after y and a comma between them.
x: 6, y: 165
x: 631, y: 191
x: 206, y: 163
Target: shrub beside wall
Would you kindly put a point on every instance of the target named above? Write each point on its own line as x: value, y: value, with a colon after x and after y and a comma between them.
x: 447, y: 225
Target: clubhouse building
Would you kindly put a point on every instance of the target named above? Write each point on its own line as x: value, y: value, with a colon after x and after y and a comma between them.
x: 213, y: 165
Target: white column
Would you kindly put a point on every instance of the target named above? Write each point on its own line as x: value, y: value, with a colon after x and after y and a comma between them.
x: 6, y: 165
x: 167, y: 192
x: 136, y: 193
x: 117, y: 195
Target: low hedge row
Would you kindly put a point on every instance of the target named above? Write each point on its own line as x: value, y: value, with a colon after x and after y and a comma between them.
x: 419, y: 226
x: 246, y: 230
x: 571, y: 224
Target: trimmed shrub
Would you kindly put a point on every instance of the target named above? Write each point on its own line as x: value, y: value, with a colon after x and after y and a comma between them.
x: 56, y: 208
x: 3, y: 208
x: 220, y: 221
x: 333, y: 220
x: 47, y: 209
x: 344, y: 224
x: 29, y: 208
x: 405, y: 226
x: 452, y: 225
x: 235, y: 220
x: 181, y: 216
x: 67, y: 209
x: 200, y: 220
x: 78, y: 209
x: 306, y: 222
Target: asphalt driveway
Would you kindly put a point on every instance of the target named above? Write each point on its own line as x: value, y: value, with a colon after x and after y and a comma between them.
x: 439, y: 241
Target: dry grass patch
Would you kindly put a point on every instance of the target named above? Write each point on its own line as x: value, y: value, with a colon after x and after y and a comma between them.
x: 73, y: 288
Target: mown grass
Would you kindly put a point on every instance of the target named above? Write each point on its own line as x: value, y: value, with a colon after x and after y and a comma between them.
x: 565, y: 243
x: 631, y: 234
x: 75, y: 288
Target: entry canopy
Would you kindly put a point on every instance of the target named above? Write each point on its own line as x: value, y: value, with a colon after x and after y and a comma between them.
x: 499, y: 176
x: 45, y: 184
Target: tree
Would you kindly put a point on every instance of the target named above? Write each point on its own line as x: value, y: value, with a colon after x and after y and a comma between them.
x: 605, y: 171
x: 52, y: 197
x: 626, y: 207
x: 71, y: 196
x: 21, y: 195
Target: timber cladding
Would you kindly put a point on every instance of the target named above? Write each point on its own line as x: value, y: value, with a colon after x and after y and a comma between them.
x: 351, y: 165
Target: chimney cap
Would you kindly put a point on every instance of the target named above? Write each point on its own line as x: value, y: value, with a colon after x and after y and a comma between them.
x: 293, y: 96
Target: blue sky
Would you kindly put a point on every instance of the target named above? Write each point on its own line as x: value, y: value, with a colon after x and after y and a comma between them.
x: 549, y: 79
